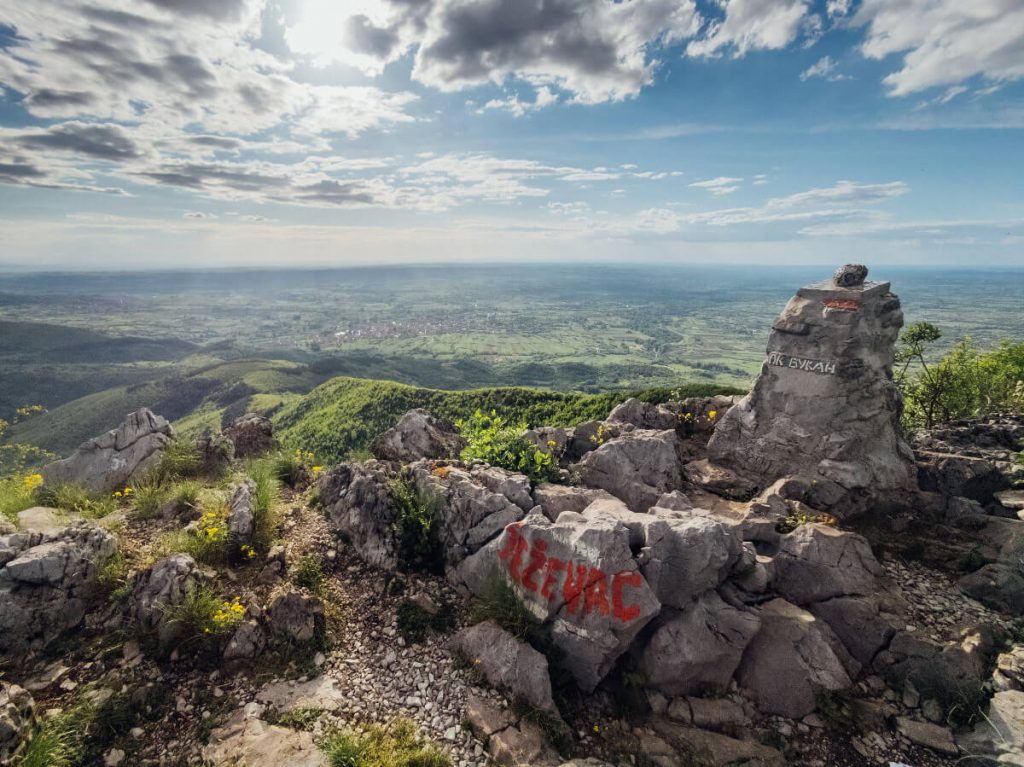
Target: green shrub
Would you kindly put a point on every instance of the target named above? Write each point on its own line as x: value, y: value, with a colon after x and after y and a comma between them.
x: 203, y: 617
x: 964, y: 383
x: 498, y: 442
x: 309, y: 573
x: 394, y: 746
x: 299, y: 718
x: 17, y: 493
x: 17, y: 458
x: 295, y: 469
x: 416, y: 527
x: 78, y: 500
x: 207, y: 540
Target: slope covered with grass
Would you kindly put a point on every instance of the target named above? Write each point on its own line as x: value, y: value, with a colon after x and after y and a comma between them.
x: 343, y: 415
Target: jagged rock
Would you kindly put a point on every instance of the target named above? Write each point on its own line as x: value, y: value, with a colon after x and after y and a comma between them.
x: 485, y: 718
x: 850, y: 275
x: 716, y: 713
x: 712, y: 748
x: 579, y: 575
x: 523, y: 745
x: 1009, y: 673
x: 356, y: 499
x: 17, y: 717
x: 46, y: 583
x: 999, y: 735
x: 959, y: 475
x: 216, y: 452
x: 157, y: 590
x: 322, y: 692
x: 1011, y: 499
x: 699, y: 649
x: 296, y: 617
x: 251, y: 434
x: 824, y: 406
x: 274, y: 567
x: 700, y: 415
x: 42, y: 519
x: 679, y: 556
x: 246, y: 643
x: 716, y: 479
x: 113, y: 459
x: 508, y: 664
x: 637, y: 467
x: 817, y: 562
x: 7, y: 527
x: 241, y: 515
x: 931, y: 736
x: 933, y: 668
x: 860, y: 624
x: 996, y: 585
x: 644, y: 415
x: 418, y: 434
x: 789, y: 662
x: 513, y: 485
x: 255, y: 743
x: 554, y: 499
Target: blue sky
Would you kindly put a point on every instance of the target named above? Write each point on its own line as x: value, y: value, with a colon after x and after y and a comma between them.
x: 156, y: 133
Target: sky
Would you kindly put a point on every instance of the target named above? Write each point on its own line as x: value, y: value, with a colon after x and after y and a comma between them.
x: 212, y: 133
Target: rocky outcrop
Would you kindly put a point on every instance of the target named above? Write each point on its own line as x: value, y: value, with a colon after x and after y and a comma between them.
x: 998, y: 736
x: 241, y: 518
x: 508, y: 664
x: 824, y: 406
x: 113, y: 459
x: 17, y: 717
x: 818, y: 562
x: 637, y: 467
x: 644, y: 415
x: 296, y: 617
x: 246, y: 739
x: 46, y: 583
x: 216, y: 452
x: 356, y: 499
x: 698, y: 649
x: 157, y: 590
x: 251, y: 434
x: 790, y: 662
x: 417, y: 435
x: 554, y: 499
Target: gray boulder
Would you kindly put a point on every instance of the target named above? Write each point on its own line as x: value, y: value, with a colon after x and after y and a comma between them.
x: 159, y: 589
x: 699, y: 649
x: 216, y: 452
x: 253, y: 742
x: 246, y: 643
x: 996, y: 585
x: 644, y: 415
x: 817, y: 562
x: 17, y: 717
x: 554, y: 499
x: 357, y: 502
x: 1009, y: 673
x: 508, y: 664
x: 113, y: 459
x: 790, y: 662
x: 637, y: 467
x: 241, y: 516
x: 860, y: 623
x: 579, y: 576
x: 47, y: 581
x: 824, y: 406
x: 251, y: 434
x: 296, y: 617
x: 417, y: 435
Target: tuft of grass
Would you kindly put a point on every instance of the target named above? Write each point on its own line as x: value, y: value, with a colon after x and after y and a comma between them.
x: 416, y: 526
x: 309, y: 573
x: 112, y: 577
x: 264, y: 501
x: 77, y: 500
x: 396, y: 745
x: 185, y: 493
x: 300, y: 718
x: 17, y: 493
x: 202, y: 618
x: 60, y: 740
x: 501, y: 604
x: 147, y: 497
x: 180, y: 460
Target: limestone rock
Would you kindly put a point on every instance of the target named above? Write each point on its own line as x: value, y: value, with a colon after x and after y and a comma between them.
x: 113, y: 459
x: 42, y: 519
x: 356, y: 500
x: 418, y: 434
x: 713, y: 748
x: 216, y: 452
x: 523, y: 745
x: 246, y: 643
x: 322, y: 692
x: 485, y: 718
x: 554, y: 499
x: 579, y: 575
x: 928, y: 735
x: 817, y: 562
x: 296, y: 617
x: 644, y: 415
x: 1009, y: 673
x: 159, y: 589
x: 790, y: 662
x: 508, y: 664
x: 996, y: 585
x: 637, y: 467
x: 17, y: 716
x: 255, y: 743
x: 251, y: 434
x: 699, y: 649
x: 241, y: 516
x: 47, y: 581
x: 860, y: 624
x: 824, y: 405
x: 999, y: 735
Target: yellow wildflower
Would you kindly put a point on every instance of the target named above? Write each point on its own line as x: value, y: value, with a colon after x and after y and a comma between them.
x: 597, y: 728
x: 712, y: 414
x: 552, y: 443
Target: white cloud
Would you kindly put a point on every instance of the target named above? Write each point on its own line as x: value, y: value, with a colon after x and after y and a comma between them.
x: 825, y: 67
x: 751, y: 25
x: 944, y: 42
x: 720, y: 186
x: 544, y: 97
x: 842, y: 193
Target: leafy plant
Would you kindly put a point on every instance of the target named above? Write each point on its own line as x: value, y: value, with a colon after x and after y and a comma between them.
x: 396, y: 745
x: 264, y: 499
x: 417, y: 515
x: 18, y: 458
x: 309, y: 573
x: 494, y: 440
x: 17, y: 493
x: 203, y: 617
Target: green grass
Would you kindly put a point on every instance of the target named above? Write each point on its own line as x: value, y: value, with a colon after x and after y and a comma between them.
x: 59, y: 740
x: 343, y: 415
x: 309, y: 574
x: 394, y: 746
x: 76, y: 500
x: 501, y: 604
x: 17, y: 493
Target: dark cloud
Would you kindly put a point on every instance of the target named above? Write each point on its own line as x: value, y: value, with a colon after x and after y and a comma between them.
x: 104, y: 142
x: 47, y: 98
x: 216, y: 142
x: 15, y: 172
x: 333, y: 192
x: 363, y: 37
x: 219, y: 10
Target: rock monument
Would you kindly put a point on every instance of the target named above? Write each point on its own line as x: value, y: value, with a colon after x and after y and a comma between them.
x: 824, y: 408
